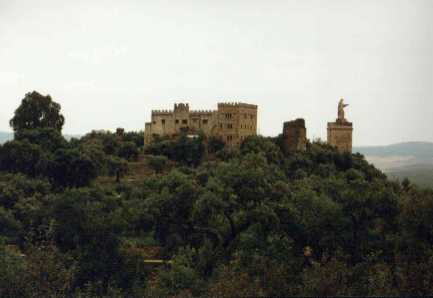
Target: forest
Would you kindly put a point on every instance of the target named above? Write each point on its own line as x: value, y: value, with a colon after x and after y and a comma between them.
x: 106, y: 216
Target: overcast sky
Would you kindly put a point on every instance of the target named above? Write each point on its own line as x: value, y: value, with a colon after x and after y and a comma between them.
x: 108, y: 63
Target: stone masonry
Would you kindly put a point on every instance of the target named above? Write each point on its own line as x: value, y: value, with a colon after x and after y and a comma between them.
x: 232, y: 122
x: 340, y: 132
x: 294, y: 136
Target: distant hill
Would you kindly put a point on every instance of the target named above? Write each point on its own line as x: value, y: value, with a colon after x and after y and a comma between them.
x: 5, y: 136
x: 413, y: 160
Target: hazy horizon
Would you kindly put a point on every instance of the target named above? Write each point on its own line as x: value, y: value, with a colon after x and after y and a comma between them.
x: 109, y: 63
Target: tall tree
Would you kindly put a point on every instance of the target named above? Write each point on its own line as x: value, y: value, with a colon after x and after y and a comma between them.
x: 37, y: 111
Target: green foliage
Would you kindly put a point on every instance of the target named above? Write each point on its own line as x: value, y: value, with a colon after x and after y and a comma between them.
x: 181, y: 279
x: 157, y: 162
x: 135, y: 137
x: 49, y: 139
x: 123, y: 146
x: 184, y: 150
x: 256, y: 144
x: 41, y: 272
x: 252, y: 221
x: 70, y: 168
x: 86, y: 220
x: 37, y: 111
x: 23, y: 157
x: 215, y: 144
x: 128, y: 150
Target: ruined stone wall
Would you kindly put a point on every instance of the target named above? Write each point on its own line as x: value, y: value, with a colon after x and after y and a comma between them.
x: 294, y: 136
x: 340, y: 135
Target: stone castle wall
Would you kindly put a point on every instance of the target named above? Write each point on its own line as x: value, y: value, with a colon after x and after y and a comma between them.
x: 232, y: 122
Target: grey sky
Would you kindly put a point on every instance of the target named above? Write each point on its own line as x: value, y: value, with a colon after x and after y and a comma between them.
x: 108, y: 63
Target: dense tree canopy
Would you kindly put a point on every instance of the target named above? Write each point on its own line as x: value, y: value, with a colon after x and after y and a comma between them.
x: 232, y: 222
x: 37, y: 111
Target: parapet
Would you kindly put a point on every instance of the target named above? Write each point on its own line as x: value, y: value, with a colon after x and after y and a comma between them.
x: 161, y: 112
x: 196, y: 112
x: 236, y: 104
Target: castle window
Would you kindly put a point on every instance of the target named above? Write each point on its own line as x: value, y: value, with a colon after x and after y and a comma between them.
x: 221, y: 126
x: 177, y: 121
x: 163, y: 121
x: 184, y: 121
x: 205, y: 121
x: 230, y: 126
x: 154, y: 122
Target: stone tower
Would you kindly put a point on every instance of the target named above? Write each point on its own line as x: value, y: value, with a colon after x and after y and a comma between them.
x: 294, y: 136
x: 340, y: 131
x: 236, y: 121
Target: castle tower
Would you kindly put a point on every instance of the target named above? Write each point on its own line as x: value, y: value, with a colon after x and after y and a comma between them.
x: 340, y: 131
x: 236, y: 121
x: 294, y: 136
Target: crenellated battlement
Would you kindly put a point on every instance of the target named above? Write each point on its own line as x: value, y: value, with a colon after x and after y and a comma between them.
x: 236, y: 104
x: 202, y: 111
x: 161, y: 112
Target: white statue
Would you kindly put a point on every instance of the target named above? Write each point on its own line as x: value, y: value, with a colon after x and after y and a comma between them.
x: 341, y: 107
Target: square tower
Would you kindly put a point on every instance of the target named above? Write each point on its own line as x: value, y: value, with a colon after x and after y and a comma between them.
x: 236, y: 122
x: 340, y: 135
x: 340, y: 131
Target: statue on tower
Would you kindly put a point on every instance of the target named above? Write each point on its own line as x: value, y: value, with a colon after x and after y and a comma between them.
x: 341, y: 106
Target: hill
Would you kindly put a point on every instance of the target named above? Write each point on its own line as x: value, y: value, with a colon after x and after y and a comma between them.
x: 5, y: 136
x: 413, y: 160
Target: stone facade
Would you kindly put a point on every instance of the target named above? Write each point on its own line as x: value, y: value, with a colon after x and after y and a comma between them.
x: 294, y: 136
x: 340, y: 135
x: 232, y: 122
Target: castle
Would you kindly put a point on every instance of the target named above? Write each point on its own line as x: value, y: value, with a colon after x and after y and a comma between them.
x: 232, y: 122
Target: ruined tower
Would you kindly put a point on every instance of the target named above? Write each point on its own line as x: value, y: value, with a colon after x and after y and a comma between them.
x: 340, y: 131
x: 294, y: 136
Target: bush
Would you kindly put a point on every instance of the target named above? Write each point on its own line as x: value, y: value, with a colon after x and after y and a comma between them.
x: 157, y: 162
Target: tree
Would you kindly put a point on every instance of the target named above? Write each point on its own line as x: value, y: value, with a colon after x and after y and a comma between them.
x: 48, y: 138
x: 157, y: 162
x: 23, y: 157
x: 117, y: 167
x: 128, y: 150
x: 256, y: 144
x: 215, y: 144
x: 70, y: 168
x: 37, y: 111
